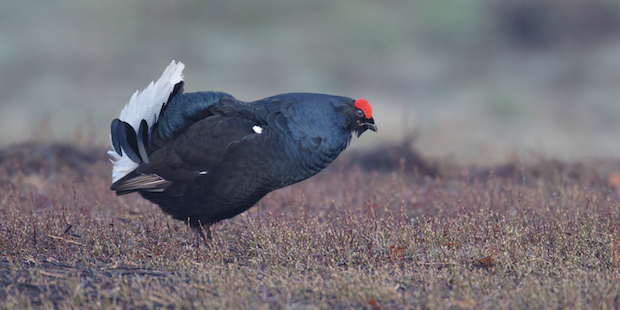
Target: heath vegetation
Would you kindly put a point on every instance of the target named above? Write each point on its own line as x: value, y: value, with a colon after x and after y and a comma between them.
x: 543, y: 234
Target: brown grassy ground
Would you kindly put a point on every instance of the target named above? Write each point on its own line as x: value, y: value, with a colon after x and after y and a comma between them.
x: 538, y: 235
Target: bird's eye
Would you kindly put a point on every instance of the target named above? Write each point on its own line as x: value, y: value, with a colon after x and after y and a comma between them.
x: 360, y: 113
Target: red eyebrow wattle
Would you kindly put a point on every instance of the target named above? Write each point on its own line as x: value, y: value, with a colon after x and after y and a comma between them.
x: 363, y: 105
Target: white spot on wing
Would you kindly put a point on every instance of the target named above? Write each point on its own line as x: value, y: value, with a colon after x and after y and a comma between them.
x: 257, y: 129
x: 202, y: 172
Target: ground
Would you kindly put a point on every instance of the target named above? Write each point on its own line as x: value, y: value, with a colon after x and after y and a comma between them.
x: 540, y: 234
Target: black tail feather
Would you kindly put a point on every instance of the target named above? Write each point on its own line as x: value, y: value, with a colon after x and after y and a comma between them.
x: 124, y: 137
x: 129, y: 141
x: 178, y: 89
x: 115, y: 139
x: 143, y: 137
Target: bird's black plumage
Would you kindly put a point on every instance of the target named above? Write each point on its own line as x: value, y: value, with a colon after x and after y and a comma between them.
x: 209, y: 157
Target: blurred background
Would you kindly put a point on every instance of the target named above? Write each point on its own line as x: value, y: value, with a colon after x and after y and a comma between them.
x: 479, y: 81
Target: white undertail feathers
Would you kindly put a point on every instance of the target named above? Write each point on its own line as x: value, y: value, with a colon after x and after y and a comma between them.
x: 145, y: 105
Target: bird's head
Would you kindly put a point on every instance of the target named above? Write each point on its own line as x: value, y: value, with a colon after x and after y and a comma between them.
x: 363, y: 117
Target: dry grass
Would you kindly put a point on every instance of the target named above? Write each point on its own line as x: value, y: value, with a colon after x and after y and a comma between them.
x: 539, y: 236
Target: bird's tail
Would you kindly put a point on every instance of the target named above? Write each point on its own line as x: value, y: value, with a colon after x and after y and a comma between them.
x: 130, y: 132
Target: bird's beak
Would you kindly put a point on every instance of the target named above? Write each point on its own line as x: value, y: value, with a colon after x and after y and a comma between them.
x: 366, y: 124
x: 370, y: 124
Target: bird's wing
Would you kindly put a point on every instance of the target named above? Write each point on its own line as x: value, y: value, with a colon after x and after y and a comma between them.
x: 192, y: 154
x: 204, y: 144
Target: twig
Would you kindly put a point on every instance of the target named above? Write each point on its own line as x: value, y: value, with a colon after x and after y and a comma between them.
x: 66, y: 240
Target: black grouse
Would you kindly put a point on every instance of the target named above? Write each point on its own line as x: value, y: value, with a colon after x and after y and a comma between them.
x: 205, y: 156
